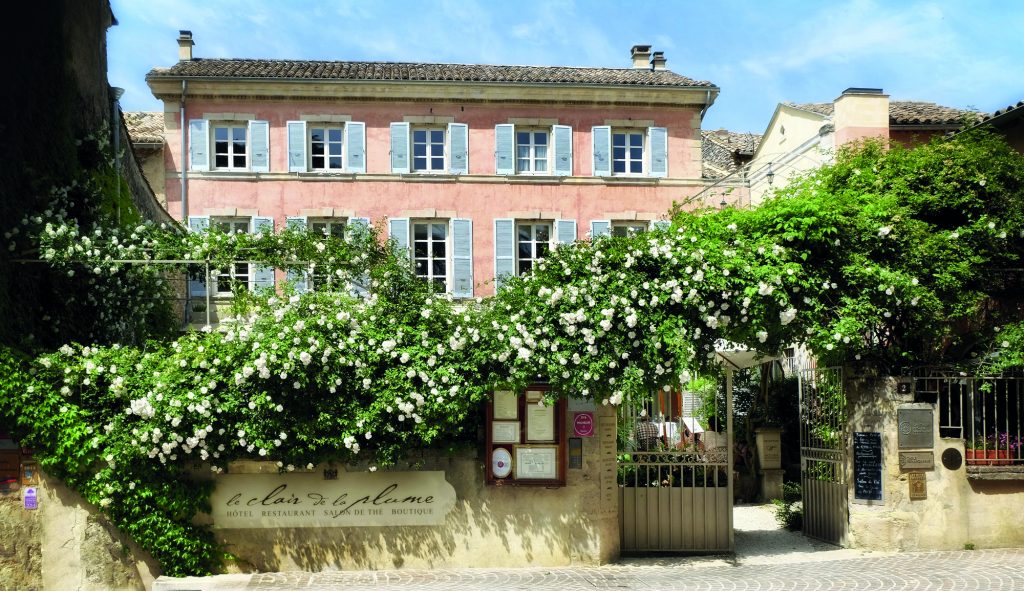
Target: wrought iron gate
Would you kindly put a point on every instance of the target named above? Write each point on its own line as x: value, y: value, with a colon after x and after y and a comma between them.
x: 675, y: 494
x: 823, y: 443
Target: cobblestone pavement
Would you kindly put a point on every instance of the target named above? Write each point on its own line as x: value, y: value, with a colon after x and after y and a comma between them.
x: 983, y: 570
x: 767, y: 559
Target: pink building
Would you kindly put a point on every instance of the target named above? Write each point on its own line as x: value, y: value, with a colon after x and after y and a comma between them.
x: 478, y: 169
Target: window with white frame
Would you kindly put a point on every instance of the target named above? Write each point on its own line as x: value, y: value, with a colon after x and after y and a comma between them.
x: 430, y: 252
x: 628, y: 152
x: 428, y: 150
x: 325, y: 148
x: 230, y: 144
x: 533, y: 241
x: 239, y: 273
x: 532, y: 151
x: 628, y: 228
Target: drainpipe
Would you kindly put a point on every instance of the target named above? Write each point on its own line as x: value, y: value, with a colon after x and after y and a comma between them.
x: 184, y: 156
x: 707, y: 105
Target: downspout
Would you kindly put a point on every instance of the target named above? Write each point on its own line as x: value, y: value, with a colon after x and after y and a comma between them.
x: 184, y: 156
x: 707, y: 105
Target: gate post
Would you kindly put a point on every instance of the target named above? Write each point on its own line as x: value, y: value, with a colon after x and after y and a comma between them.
x: 730, y: 473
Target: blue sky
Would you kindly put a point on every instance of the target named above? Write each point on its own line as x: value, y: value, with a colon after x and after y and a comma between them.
x: 959, y: 53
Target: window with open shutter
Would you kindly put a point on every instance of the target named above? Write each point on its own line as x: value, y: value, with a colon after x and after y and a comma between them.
x: 259, y: 141
x: 504, y: 148
x: 355, y: 154
x: 462, y: 258
x: 563, y: 149
x: 600, y: 228
x: 199, y: 145
x: 458, y: 153
x: 657, y: 144
x: 298, y: 278
x: 296, y: 146
x: 602, y: 139
x: 400, y: 147
x: 263, y: 276
x: 504, y: 250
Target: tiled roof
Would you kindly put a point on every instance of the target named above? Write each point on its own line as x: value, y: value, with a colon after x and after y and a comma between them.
x: 723, y: 152
x: 330, y: 70
x: 1016, y: 109
x: 904, y: 112
x: 145, y: 127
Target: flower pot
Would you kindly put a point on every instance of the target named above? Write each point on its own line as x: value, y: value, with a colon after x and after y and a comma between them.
x: 1004, y: 458
x: 992, y: 457
x: 973, y: 457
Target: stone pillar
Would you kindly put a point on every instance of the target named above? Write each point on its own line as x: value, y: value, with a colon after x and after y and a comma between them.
x: 769, y: 458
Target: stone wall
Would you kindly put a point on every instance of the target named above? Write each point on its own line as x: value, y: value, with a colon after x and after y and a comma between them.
x: 489, y: 526
x: 19, y: 547
x: 957, y: 511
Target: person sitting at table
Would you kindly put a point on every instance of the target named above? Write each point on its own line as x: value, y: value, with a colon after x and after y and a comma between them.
x: 646, y: 433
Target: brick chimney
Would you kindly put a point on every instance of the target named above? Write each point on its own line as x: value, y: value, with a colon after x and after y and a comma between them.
x: 185, y: 44
x: 861, y: 113
x: 658, y: 60
x: 641, y: 56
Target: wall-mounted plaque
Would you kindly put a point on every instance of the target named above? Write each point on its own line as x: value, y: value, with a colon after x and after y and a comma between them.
x: 30, y: 500
x: 534, y: 396
x: 867, y: 466
x: 501, y: 463
x: 536, y: 462
x: 29, y: 474
x: 506, y: 405
x: 540, y: 422
x: 917, y: 460
x: 918, y: 486
x: 916, y: 428
x: 583, y: 424
x: 505, y: 431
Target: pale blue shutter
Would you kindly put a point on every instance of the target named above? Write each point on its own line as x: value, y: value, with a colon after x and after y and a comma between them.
x: 458, y: 142
x: 600, y: 228
x: 355, y: 147
x: 398, y: 230
x: 262, y: 276
x: 504, y: 148
x: 504, y: 250
x: 661, y: 224
x: 199, y: 144
x: 198, y: 224
x: 399, y: 147
x: 657, y: 143
x: 565, y: 231
x: 298, y: 278
x: 563, y: 149
x: 602, y: 136
x: 360, y: 285
x: 462, y: 258
x: 259, y: 142
x: 296, y: 146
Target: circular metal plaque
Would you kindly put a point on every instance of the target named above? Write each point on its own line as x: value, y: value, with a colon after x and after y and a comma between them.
x: 501, y: 463
x: 952, y: 459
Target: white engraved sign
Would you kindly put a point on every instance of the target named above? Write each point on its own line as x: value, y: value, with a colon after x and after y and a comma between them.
x: 354, y: 499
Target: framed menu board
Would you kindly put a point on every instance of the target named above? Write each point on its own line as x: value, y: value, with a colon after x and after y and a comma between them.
x: 526, y: 438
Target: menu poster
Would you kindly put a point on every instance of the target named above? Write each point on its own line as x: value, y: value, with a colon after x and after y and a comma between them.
x: 505, y: 431
x: 867, y: 466
x: 506, y: 405
x: 540, y: 422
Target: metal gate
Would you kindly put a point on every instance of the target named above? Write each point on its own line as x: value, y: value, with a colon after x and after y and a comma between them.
x: 823, y: 442
x: 675, y: 491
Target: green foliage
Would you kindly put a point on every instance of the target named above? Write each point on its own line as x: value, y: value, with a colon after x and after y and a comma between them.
x: 789, y: 510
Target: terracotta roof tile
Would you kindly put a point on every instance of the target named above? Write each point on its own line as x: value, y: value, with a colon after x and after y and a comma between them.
x: 336, y: 70
x: 1002, y: 112
x: 145, y: 127
x: 904, y: 112
x: 723, y: 152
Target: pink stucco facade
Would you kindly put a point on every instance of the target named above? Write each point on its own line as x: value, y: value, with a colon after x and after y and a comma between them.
x: 481, y: 195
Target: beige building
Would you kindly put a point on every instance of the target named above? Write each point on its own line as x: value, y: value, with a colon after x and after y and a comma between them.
x: 146, y: 130
x: 802, y: 137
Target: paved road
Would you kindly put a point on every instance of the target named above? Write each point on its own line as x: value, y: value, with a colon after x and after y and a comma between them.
x: 766, y: 559
x: 983, y: 570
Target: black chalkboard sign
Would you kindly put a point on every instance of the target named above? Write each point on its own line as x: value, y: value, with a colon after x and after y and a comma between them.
x: 867, y: 466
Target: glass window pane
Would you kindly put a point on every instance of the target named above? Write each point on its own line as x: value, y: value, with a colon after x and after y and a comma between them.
x: 618, y: 153
x: 523, y: 137
x: 540, y: 138
x: 238, y: 133
x: 221, y: 161
x: 438, y: 231
x: 437, y: 136
x: 220, y: 133
x: 523, y: 152
x: 335, y: 162
x: 239, y: 161
x: 419, y: 150
x: 636, y: 139
x: 334, y: 135
x: 525, y: 251
x: 439, y: 267
x: 523, y: 164
x: 338, y: 230
x: 438, y: 249
x: 419, y: 135
x: 420, y: 231
x: 636, y: 153
x: 317, y: 149
x: 524, y: 267
x: 524, y: 231
x: 619, y: 166
x: 419, y: 249
x: 541, y: 152
x: 437, y: 163
x: 318, y: 161
x: 318, y: 227
x: 636, y: 167
x: 220, y: 147
x: 543, y: 232
x: 334, y: 149
x: 419, y: 163
x: 541, y: 166
x: 618, y: 139
x: 421, y: 268
x: 542, y: 249
x: 317, y: 135
x: 436, y: 150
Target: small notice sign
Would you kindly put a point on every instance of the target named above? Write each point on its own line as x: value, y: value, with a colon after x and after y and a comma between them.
x: 917, y: 460
x: 918, y: 486
x: 31, y: 498
x: 867, y: 466
x: 583, y: 424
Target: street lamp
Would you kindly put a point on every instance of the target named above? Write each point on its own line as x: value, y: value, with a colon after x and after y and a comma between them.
x: 770, y: 175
